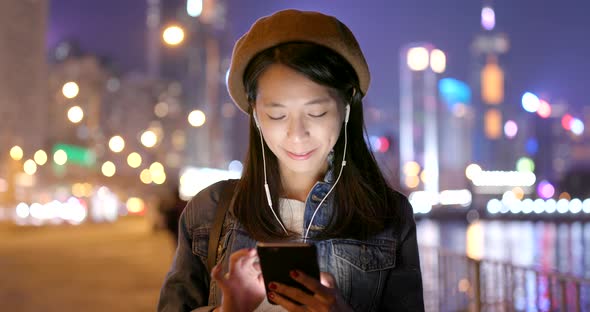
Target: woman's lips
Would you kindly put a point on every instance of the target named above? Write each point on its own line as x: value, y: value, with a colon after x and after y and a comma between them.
x: 300, y: 156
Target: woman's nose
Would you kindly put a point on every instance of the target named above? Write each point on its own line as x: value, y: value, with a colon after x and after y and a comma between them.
x: 297, y: 129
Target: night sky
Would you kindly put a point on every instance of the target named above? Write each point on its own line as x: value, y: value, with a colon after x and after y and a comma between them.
x: 550, y: 40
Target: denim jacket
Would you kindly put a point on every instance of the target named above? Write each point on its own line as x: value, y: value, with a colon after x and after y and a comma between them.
x: 378, y: 274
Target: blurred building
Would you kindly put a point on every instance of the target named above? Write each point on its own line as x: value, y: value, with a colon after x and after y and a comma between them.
x: 23, y: 88
x: 197, y: 60
x: 492, y: 149
x: 419, y: 136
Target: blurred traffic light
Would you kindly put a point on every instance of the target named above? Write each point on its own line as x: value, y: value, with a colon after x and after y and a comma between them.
x: 379, y: 144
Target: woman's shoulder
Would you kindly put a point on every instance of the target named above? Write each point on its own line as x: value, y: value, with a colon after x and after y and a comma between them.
x: 400, y: 202
x: 400, y: 209
x: 200, y: 210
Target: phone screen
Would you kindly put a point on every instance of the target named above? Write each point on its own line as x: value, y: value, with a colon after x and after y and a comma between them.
x: 278, y: 259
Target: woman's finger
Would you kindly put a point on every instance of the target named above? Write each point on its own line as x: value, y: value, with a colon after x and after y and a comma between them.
x: 251, y: 258
x: 237, y: 257
x: 285, y: 303
x: 312, y: 284
x: 217, y: 275
x: 293, y: 293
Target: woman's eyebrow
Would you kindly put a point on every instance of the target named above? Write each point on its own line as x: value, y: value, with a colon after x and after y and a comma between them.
x: 323, y: 100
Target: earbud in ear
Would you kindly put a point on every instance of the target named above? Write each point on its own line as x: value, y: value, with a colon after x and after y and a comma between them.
x: 347, y: 109
x: 255, y: 119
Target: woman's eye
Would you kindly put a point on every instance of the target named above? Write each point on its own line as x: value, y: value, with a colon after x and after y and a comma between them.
x: 276, y: 118
x: 319, y: 115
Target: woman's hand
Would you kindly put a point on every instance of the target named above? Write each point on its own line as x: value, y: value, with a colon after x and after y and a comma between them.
x: 243, y: 286
x: 326, y: 296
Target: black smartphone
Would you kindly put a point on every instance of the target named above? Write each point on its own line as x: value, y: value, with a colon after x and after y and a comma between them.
x: 278, y: 259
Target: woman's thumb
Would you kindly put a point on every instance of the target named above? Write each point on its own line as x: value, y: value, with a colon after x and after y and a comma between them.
x: 327, y: 280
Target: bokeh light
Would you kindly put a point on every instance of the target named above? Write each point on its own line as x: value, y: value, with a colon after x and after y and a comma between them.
x: 134, y: 160
x: 412, y: 181
x: 60, y: 157
x: 116, y: 144
x: 544, y: 110
x: 472, y: 170
x: 525, y: 164
x: 173, y: 35
x: 135, y: 205
x: 70, y: 90
x: 566, y: 122
x: 161, y: 109
x: 532, y: 146
x: 145, y: 176
x: 545, y: 189
x: 40, y: 157
x: 108, y: 169
x: 149, y: 138
x: 577, y: 126
x: 488, y: 18
x: 411, y: 168
x: 510, y: 129
x: 75, y: 114
x: 197, y: 118
x: 30, y: 167
x: 530, y: 102
x: 417, y: 58
x: 438, y: 61
x: 16, y: 152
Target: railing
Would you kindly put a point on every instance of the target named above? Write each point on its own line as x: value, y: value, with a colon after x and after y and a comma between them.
x: 455, y: 282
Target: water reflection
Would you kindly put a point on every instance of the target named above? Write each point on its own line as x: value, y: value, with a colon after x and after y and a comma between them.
x: 535, y: 248
x: 549, y: 246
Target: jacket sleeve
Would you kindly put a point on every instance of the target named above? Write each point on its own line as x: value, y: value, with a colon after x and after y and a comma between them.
x: 403, y: 288
x: 186, y: 286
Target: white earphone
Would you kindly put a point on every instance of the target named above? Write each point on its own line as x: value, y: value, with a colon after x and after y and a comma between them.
x: 255, y: 119
x: 267, y: 190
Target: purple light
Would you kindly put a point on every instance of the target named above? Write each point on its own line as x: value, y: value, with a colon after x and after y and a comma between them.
x: 545, y: 189
x: 488, y: 18
x: 510, y: 129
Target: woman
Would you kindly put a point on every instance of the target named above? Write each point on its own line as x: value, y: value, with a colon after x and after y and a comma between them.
x: 309, y: 175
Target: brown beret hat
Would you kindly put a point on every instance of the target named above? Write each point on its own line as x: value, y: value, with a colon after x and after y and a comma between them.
x: 288, y: 26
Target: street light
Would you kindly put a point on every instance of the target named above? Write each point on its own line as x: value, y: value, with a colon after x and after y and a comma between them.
x: 194, y: 8
x: 438, y: 61
x: 40, y: 157
x: 60, y: 157
x: 70, y: 90
x: 108, y: 169
x: 30, y: 167
x: 75, y: 114
x: 134, y: 160
x: 197, y: 118
x: 418, y: 58
x: 145, y: 176
x: 116, y: 144
x: 149, y: 138
x: 16, y: 152
x: 173, y: 35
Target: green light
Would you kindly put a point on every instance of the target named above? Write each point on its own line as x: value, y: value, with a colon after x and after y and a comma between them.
x: 77, y: 154
x: 525, y: 164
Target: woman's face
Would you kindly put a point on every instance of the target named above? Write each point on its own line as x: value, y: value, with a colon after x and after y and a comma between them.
x: 300, y: 120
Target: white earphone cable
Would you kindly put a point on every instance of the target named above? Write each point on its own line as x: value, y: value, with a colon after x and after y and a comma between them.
x: 339, y: 174
x: 266, y: 189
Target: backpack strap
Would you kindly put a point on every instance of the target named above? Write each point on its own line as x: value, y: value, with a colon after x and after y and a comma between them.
x: 225, y: 200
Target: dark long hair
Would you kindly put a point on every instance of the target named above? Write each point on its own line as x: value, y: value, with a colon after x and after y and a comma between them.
x: 363, y: 201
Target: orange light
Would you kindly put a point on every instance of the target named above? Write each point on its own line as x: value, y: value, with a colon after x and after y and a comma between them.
x: 493, y: 124
x: 544, y: 110
x: 492, y: 82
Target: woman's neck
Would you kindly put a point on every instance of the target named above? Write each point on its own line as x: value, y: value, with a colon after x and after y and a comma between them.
x: 298, y: 185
